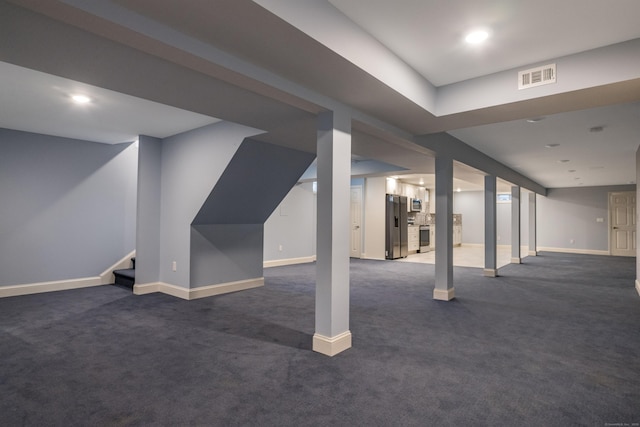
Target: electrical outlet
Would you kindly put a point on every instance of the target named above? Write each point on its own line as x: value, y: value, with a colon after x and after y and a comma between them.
x: 280, y: 248
x: 174, y: 266
x: 572, y: 241
x: 599, y: 219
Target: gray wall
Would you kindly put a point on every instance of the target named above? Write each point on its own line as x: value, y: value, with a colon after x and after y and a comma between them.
x: 570, y: 214
x: 217, y: 188
x: 470, y: 204
x: 148, y: 222
x: 227, y: 233
x: 192, y: 163
x: 565, y: 214
x: 292, y: 225
x: 68, y: 207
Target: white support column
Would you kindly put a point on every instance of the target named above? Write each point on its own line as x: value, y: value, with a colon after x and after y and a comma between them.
x: 533, y: 248
x: 515, y: 225
x: 332, y: 334
x: 444, y: 290
x: 490, y: 227
x: 637, y: 213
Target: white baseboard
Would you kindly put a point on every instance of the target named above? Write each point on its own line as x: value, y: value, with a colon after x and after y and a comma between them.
x: 289, y: 261
x: 57, y: 285
x: 64, y: 285
x: 377, y: 258
x: 330, y: 346
x: 638, y: 287
x: 200, y: 292
x: 573, y: 251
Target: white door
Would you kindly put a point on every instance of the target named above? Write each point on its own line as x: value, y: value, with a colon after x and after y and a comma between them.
x: 622, y: 214
x: 356, y: 221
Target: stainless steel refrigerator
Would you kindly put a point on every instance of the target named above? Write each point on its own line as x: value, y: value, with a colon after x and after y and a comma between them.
x: 396, y: 245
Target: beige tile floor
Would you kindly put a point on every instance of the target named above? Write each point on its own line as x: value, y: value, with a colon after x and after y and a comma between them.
x: 466, y: 256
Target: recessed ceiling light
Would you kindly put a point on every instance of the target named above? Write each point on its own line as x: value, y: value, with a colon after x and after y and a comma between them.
x: 476, y: 37
x: 571, y: 170
x: 80, y: 99
x: 596, y: 129
x: 535, y: 119
x: 551, y: 145
x: 563, y: 161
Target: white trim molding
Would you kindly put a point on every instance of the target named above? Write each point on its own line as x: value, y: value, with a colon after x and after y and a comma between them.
x: 574, y: 251
x: 490, y: 272
x: 104, y: 278
x: 57, y: 285
x: 199, y: 292
x: 288, y: 261
x: 638, y: 286
x: 330, y: 346
x: 444, y: 295
x: 515, y: 260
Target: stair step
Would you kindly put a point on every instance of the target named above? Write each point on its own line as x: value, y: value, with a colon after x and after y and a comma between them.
x: 125, y: 277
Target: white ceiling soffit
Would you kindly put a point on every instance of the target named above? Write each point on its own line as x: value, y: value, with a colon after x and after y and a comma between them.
x: 41, y: 103
x: 563, y: 150
x: 429, y: 35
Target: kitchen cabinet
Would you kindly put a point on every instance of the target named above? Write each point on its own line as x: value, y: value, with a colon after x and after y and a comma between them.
x: 413, y: 238
x: 457, y: 235
x: 457, y: 231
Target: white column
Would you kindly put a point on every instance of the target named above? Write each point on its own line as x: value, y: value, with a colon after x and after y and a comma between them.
x: 637, y: 213
x: 533, y: 248
x: 490, y: 225
x: 332, y: 268
x: 444, y: 290
x: 515, y: 225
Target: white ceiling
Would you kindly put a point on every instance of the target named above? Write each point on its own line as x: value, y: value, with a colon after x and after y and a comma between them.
x: 426, y: 34
x: 429, y: 34
x: 41, y: 103
x: 581, y: 157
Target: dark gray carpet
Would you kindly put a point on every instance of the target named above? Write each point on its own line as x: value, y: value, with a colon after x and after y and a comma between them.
x: 552, y: 342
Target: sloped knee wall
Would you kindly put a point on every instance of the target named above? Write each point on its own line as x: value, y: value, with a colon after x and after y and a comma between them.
x: 227, y: 233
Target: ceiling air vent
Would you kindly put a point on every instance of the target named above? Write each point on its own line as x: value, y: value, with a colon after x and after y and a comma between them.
x: 537, y: 76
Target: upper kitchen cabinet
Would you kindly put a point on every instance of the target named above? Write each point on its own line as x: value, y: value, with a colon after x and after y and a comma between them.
x: 410, y: 191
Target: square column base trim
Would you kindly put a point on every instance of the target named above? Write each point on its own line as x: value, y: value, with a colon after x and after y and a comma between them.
x: 330, y: 346
x: 516, y: 260
x: 444, y: 294
x: 490, y: 272
x: 638, y: 287
x: 533, y: 253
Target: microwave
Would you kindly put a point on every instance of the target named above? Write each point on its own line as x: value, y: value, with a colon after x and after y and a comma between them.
x: 415, y: 205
